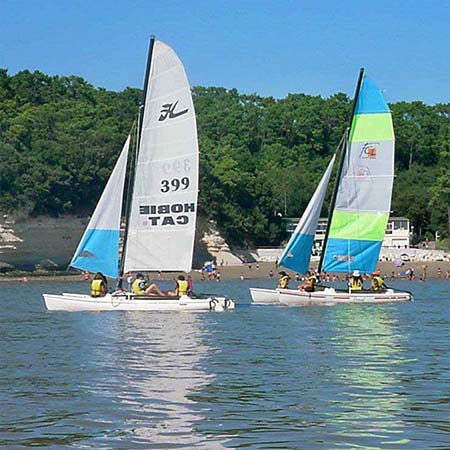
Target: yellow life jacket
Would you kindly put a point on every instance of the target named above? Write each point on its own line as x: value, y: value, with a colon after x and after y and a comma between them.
x: 97, y: 288
x: 355, y: 284
x: 377, y: 283
x: 183, y: 287
x: 283, y: 282
x: 138, y: 286
x: 311, y: 283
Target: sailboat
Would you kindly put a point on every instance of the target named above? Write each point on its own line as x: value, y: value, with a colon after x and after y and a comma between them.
x: 161, y: 205
x: 359, y: 209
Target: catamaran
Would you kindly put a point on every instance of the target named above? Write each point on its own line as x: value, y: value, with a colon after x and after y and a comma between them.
x: 358, y: 213
x: 161, y: 206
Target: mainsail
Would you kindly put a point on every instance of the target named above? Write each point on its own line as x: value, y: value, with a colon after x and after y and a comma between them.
x: 297, y: 253
x: 365, y: 186
x: 164, y: 204
x: 98, y: 250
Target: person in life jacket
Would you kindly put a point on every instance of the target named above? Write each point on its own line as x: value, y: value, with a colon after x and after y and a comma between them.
x: 141, y: 287
x: 283, y: 282
x: 99, y: 285
x: 310, y: 283
x: 356, y: 281
x: 183, y: 287
x: 377, y: 283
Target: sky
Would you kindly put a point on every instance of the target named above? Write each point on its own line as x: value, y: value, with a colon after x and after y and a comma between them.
x: 270, y: 48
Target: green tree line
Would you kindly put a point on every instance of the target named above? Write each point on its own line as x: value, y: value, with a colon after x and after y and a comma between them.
x: 261, y: 157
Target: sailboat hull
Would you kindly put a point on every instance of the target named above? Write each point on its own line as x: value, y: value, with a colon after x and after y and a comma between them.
x: 130, y: 302
x: 264, y: 296
x: 330, y: 296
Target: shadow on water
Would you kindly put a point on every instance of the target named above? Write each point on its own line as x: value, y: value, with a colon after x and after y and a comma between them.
x: 366, y: 376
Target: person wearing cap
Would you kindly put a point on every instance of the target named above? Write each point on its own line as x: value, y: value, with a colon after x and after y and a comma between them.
x: 310, y: 283
x: 377, y: 283
x: 356, y: 281
x: 283, y: 282
x: 140, y: 287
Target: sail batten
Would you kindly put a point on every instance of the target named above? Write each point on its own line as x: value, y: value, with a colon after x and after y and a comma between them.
x: 365, y: 187
x: 297, y: 253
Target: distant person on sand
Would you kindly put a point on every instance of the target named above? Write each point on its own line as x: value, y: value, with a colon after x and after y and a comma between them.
x: 99, y: 285
x: 283, y: 282
x: 140, y: 287
x: 270, y: 273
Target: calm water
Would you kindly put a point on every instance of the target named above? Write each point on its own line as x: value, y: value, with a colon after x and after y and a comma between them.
x: 258, y: 377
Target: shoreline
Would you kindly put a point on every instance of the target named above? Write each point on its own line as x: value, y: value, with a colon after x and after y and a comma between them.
x: 249, y: 271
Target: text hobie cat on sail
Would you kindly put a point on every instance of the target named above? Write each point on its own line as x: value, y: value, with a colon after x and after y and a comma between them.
x: 161, y: 204
x: 359, y: 209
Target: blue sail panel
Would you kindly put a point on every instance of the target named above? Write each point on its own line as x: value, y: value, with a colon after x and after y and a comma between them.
x: 299, y: 253
x: 98, y: 252
x: 347, y: 255
x: 370, y: 99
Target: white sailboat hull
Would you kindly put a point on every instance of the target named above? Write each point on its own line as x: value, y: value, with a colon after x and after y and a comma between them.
x: 264, y: 296
x: 330, y: 296
x: 130, y: 302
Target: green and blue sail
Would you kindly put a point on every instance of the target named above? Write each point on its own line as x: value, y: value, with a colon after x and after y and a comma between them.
x: 363, y: 199
x: 364, y: 193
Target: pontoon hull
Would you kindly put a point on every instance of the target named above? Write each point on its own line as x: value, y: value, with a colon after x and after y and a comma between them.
x: 129, y: 302
x: 264, y: 296
x: 329, y: 296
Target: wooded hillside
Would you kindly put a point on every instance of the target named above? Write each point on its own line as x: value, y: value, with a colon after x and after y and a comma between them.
x: 260, y: 157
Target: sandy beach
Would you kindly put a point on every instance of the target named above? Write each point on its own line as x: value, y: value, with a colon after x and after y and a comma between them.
x: 255, y: 271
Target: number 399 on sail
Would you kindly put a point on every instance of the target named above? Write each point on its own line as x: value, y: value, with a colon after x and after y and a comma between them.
x: 161, y: 205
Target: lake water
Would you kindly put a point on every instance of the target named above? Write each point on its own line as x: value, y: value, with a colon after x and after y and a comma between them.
x: 336, y: 377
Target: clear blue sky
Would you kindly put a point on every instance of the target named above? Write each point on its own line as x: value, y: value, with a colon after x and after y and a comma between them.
x: 268, y: 47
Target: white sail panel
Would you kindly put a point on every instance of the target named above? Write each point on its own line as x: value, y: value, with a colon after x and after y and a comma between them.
x: 98, y: 250
x: 297, y: 253
x: 164, y: 205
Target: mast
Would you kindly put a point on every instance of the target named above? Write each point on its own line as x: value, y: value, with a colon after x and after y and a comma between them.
x: 341, y: 166
x: 134, y: 158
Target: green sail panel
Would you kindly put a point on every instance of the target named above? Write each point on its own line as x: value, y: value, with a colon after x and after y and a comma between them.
x: 376, y: 127
x: 363, y: 200
x: 366, y: 226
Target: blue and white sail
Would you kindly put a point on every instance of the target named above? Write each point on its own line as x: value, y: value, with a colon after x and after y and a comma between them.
x: 297, y: 253
x: 98, y: 250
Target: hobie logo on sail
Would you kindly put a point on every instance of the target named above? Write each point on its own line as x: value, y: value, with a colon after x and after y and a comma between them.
x: 369, y: 150
x: 175, y: 214
x: 344, y: 258
x: 168, y: 111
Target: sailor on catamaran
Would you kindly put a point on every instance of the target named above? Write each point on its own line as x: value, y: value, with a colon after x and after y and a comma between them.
x: 356, y: 282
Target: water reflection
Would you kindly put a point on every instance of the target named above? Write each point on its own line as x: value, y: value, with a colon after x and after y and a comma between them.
x: 159, y: 357
x: 371, y: 353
